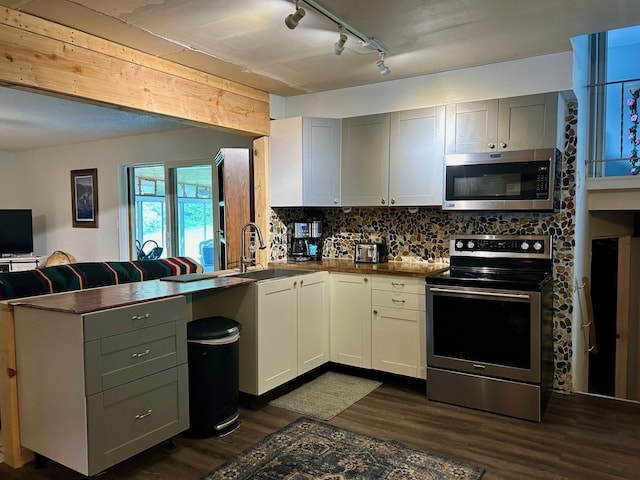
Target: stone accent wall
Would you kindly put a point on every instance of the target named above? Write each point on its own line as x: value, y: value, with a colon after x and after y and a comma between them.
x: 424, y: 237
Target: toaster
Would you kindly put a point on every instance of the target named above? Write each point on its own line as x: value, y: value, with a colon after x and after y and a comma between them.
x: 371, y: 253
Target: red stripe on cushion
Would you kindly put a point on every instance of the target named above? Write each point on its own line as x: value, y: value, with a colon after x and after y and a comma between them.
x: 46, y: 279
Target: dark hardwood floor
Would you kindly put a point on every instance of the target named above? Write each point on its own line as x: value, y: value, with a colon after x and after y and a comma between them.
x: 580, y: 437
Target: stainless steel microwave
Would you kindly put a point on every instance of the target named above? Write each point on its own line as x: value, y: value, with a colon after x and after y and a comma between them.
x: 518, y: 180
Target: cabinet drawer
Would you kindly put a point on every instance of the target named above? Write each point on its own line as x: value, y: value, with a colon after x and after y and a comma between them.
x: 410, y: 301
x: 126, y: 420
x: 119, y: 359
x: 398, y: 284
x: 133, y: 317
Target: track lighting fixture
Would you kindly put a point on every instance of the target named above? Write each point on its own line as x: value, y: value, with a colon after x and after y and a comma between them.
x: 371, y: 43
x: 339, y: 45
x: 384, y: 70
x: 294, y: 18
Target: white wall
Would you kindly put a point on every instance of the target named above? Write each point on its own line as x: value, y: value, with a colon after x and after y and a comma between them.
x: 582, y: 249
x: 10, y: 181
x: 40, y: 180
x: 547, y: 73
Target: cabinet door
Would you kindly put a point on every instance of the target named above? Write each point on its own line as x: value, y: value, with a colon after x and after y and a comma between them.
x: 321, y: 162
x: 472, y: 127
x: 528, y: 122
x: 365, y: 160
x: 416, y: 159
x: 277, y: 333
x: 313, y: 321
x: 285, y: 162
x: 396, y: 341
x: 351, y: 319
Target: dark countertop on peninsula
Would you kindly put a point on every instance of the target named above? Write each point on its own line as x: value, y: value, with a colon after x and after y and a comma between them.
x: 94, y: 299
x: 409, y: 269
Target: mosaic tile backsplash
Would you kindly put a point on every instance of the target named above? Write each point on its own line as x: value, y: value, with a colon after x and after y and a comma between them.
x: 424, y: 237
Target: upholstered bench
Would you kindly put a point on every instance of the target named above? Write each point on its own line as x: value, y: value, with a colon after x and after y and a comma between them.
x: 78, y: 276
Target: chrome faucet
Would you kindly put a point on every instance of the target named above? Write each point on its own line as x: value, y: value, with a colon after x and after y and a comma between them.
x: 244, y: 261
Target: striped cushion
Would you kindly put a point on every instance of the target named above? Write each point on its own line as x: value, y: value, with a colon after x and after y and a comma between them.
x: 77, y: 276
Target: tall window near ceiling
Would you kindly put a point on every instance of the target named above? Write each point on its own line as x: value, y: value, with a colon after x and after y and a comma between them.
x: 614, y: 90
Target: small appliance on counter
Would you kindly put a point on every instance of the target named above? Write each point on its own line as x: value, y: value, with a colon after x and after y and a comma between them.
x: 306, y: 243
x: 371, y: 252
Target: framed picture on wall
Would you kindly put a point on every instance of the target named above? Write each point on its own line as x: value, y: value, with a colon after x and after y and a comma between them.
x: 84, y: 198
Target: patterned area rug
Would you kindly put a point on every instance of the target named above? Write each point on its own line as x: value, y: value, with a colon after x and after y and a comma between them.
x: 327, y: 395
x: 309, y: 449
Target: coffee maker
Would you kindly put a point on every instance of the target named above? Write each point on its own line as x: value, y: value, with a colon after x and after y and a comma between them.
x: 306, y: 243
x: 315, y: 240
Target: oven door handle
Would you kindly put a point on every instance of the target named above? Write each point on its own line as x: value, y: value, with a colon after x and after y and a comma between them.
x: 486, y: 294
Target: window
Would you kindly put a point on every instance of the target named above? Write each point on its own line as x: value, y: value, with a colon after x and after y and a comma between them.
x: 171, y: 208
x: 614, y: 79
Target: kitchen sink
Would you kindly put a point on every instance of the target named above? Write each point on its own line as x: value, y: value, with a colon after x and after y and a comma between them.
x: 268, y: 273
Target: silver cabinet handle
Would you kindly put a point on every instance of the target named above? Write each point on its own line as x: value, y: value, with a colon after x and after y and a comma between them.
x: 396, y: 284
x: 491, y: 146
x: 301, y: 282
x: 335, y: 200
x: 503, y: 145
x: 395, y: 300
x: 393, y: 201
x: 142, y: 415
x: 383, y: 201
x: 365, y: 279
x: 375, y: 312
x: 141, y: 354
x: 140, y: 317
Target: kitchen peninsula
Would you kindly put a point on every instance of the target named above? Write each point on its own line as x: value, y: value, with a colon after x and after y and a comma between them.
x: 61, y: 345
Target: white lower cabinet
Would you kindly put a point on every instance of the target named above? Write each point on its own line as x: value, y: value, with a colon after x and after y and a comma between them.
x: 398, y: 330
x: 292, y: 332
x: 351, y: 319
x: 378, y: 322
x: 313, y: 321
x: 284, y: 327
x: 99, y: 387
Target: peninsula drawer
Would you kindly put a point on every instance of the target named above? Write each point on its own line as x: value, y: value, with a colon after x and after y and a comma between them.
x: 118, y: 359
x: 398, y: 300
x: 128, y: 419
x: 398, y: 284
x: 132, y: 317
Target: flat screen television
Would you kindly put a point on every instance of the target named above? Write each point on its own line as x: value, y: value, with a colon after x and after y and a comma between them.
x: 16, y: 232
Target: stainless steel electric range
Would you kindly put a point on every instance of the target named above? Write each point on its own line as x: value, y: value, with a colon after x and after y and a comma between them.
x: 489, y: 325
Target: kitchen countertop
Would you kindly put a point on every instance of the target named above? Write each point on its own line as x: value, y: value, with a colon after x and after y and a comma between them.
x: 94, y: 299
x: 409, y: 269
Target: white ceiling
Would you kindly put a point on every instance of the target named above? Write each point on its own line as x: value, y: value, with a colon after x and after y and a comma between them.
x: 248, y: 42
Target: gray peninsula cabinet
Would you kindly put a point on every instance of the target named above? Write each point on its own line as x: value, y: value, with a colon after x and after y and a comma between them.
x: 393, y: 159
x: 516, y: 123
x: 97, y: 388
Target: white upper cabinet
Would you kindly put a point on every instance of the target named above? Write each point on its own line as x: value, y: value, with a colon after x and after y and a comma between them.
x: 365, y: 160
x: 517, y: 123
x: 416, y: 159
x: 304, y: 162
x: 393, y: 159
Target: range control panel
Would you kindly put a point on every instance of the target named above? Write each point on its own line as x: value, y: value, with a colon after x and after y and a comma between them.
x: 508, y: 246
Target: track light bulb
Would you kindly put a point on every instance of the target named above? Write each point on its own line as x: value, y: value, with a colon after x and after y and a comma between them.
x: 384, y: 70
x: 294, y: 18
x: 339, y: 45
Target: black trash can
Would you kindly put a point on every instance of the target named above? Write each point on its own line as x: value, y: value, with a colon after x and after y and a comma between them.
x: 212, y: 346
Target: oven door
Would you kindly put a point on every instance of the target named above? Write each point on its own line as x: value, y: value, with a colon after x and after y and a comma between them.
x: 484, y: 331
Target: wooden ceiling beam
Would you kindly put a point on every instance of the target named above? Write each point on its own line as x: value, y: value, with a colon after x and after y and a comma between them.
x: 48, y: 57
